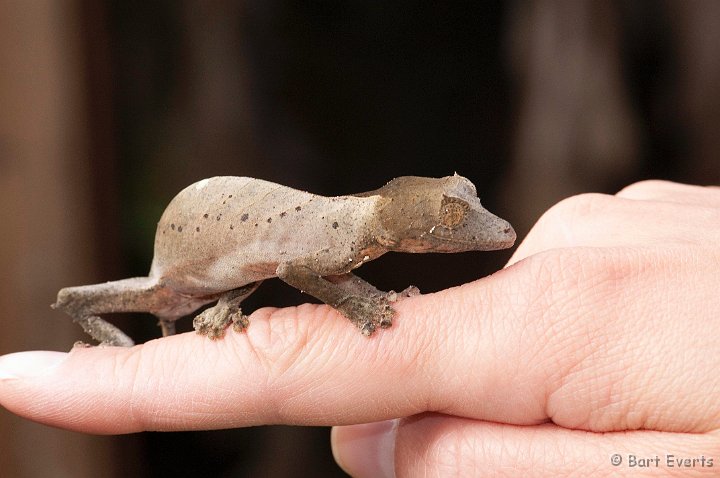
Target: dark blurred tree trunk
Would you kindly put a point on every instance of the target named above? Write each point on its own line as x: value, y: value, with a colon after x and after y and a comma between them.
x: 576, y: 129
x: 45, y: 216
x: 612, y: 92
x: 698, y: 52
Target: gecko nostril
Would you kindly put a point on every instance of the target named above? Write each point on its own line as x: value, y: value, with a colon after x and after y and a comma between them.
x: 506, y: 231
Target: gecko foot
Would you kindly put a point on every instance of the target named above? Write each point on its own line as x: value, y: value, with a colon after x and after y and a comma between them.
x: 214, y: 321
x: 367, y: 313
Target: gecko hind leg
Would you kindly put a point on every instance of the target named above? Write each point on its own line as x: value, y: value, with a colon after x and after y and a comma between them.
x: 86, y: 303
x: 139, y: 294
x: 215, y: 320
x: 103, y: 331
x: 167, y: 325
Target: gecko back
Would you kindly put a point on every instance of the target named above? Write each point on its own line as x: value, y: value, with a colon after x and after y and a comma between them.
x: 225, y: 232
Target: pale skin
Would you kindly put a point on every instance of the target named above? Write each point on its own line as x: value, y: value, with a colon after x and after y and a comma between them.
x: 599, y: 337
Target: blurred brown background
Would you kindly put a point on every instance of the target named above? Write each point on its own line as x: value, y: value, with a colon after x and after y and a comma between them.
x: 108, y: 108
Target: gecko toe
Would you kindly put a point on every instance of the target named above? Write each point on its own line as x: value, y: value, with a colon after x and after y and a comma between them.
x: 410, y: 291
x: 367, y: 329
x: 216, y: 333
x: 386, y: 315
x: 240, y: 322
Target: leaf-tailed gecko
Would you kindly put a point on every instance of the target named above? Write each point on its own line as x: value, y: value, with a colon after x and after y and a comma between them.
x: 221, y: 237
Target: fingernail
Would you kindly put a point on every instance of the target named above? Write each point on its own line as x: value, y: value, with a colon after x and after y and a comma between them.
x: 366, y: 450
x: 29, y: 364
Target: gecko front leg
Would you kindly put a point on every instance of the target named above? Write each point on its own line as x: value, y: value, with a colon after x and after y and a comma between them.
x: 358, y: 300
x: 357, y: 287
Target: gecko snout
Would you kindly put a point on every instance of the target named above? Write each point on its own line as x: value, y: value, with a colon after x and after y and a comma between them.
x: 508, y: 236
x: 499, y: 234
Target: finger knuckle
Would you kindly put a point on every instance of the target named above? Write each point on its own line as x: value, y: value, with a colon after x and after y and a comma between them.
x: 571, y: 295
x: 576, y: 208
x: 280, y: 341
x: 558, y: 272
x: 643, y: 189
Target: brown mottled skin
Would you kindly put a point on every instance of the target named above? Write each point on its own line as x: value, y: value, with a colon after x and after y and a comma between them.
x: 220, y: 237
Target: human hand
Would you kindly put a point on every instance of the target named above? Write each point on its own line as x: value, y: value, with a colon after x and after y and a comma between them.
x: 599, y: 338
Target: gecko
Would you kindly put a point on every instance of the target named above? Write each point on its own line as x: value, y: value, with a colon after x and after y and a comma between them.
x: 219, y: 238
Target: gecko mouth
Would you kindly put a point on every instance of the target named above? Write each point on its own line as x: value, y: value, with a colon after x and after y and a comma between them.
x: 506, y: 239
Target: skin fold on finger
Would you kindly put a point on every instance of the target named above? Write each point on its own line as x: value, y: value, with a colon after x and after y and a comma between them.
x: 599, y: 220
x: 520, y: 347
x: 437, y: 445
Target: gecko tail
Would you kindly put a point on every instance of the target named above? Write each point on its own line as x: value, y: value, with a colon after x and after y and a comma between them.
x: 138, y: 294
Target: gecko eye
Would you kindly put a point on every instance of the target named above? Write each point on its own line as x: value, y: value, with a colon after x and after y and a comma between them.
x: 452, y: 211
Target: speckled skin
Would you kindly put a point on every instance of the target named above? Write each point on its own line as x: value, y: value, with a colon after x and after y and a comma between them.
x: 238, y: 230
x: 220, y: 237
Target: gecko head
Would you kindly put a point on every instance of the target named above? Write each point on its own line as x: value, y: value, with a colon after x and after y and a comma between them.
x: 438, y: 215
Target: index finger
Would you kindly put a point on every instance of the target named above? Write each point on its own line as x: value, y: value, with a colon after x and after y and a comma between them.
x: 299, y: 365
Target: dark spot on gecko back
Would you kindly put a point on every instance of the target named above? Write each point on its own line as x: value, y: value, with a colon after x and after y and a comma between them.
x: 283, y: 214
x: 335, y: 225
x: 244, y: 217
x: 269, y: 220
x: 197, y: 229
x: 205, y: 215
x: 179, y: 228
x: 298, y: 208
x: 172, y: 226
